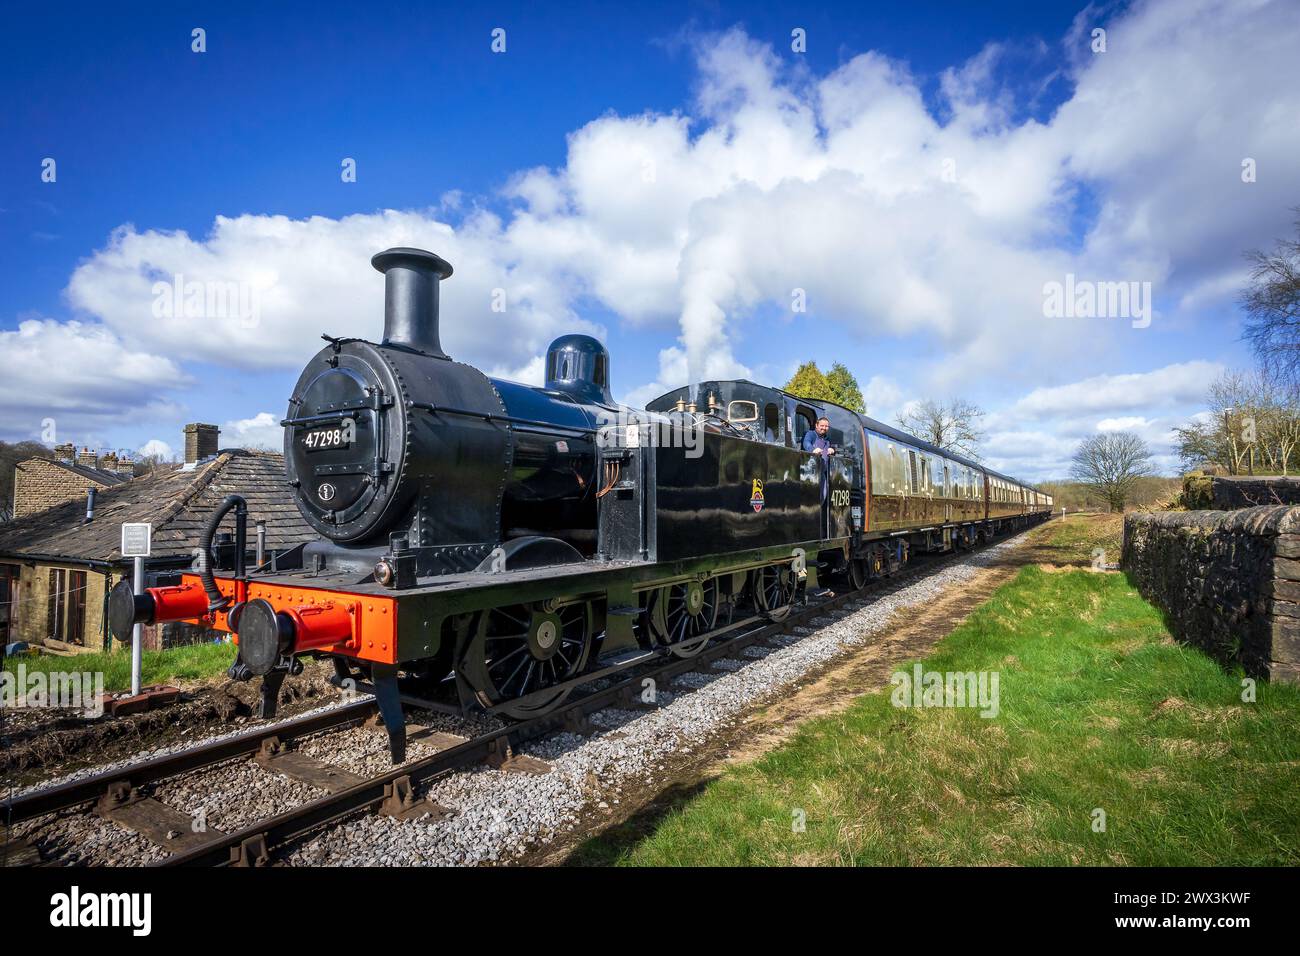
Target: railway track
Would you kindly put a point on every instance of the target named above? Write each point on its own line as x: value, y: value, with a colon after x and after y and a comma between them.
x: 121, y: 795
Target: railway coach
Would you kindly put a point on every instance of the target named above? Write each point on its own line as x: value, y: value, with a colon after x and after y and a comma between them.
x: 491, y: 546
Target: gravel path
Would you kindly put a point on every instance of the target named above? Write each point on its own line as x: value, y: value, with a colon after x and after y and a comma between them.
x: 498, y: 817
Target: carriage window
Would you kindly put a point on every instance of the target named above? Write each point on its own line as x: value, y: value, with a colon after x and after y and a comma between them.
x: 892, y: 473
x: 743, y: 412
x: 771, y: 422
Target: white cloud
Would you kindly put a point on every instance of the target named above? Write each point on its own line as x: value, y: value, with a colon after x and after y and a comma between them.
x: 1126, y: 424
x: 884, y: 399
x: 776, y: 179
x: 261, y: 431
x: 156, y: 446
x: 1166, y: 387
x: 78, y: 378
x: 314, y: 275
x: 830, y: 184
x: 1034, y: 436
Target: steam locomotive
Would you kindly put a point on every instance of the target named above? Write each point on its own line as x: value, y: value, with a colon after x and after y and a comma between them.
x: 491, y: 546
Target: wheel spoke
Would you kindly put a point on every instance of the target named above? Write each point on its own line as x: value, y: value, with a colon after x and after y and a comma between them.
x: 520, y: 621
x: 513, y: 663
x: 506, y: 683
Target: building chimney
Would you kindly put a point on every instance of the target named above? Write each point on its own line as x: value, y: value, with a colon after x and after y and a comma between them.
x: 109, y: 462
x: 88, y: 458
x: 65, y: 452
x: 200, y: 442
x: 411, y: 278
x: 125, y: 466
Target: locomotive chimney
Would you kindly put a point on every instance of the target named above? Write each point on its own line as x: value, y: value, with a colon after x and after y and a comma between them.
x: 411, y: 278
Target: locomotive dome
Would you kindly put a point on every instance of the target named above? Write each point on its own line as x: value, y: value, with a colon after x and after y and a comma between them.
x: 579, y: 364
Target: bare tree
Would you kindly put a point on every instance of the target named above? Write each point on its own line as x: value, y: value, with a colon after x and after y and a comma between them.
x: 1233, y: 406
x: 150, y: 464
x: 952, y: 425
x: 1272, y: 305
x: 1201, y: 443
x: 1275, y: 427
x: 10, y: 456
x: 1110, y: 464
x: 1253, y: 419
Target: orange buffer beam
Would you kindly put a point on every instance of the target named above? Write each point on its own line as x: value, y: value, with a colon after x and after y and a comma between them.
x: 372, y: 621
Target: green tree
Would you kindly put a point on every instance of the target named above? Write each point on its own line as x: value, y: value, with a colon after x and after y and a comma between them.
x: 845, y: 388
x: 838, y: 386
x: 809, y: 382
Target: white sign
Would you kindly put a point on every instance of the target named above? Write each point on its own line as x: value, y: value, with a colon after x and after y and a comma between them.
x: 136, y: 540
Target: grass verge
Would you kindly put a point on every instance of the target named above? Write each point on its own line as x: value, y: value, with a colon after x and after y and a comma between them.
x: 1080, y: 538
x: 1099, y: 710
x: 186, y: 665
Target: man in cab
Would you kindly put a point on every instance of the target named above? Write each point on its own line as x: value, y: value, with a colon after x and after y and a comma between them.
x: 815, y: 441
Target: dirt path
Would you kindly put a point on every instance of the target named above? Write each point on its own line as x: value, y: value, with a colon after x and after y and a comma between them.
x: 828, y: 690
x: 38, y: 745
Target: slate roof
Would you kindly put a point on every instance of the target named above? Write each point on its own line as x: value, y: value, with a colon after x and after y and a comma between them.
x: 95, y: 474
x: 176, y: 501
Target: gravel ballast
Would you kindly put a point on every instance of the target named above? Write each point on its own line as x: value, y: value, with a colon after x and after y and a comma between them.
x: 499, y: 817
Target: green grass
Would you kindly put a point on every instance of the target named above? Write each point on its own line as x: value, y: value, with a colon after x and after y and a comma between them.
x: 1098, y: 710
x: 188, y: 664
x: 1076, y: 537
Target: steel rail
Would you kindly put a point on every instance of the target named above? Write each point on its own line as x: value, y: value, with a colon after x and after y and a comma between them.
x: 74, y: 793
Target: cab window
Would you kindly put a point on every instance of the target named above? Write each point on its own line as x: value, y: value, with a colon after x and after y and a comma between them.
x: 804, y: 422
x: 742, y: 412
x: 772, y: 423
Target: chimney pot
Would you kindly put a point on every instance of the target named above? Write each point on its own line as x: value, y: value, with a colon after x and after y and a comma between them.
x: 411, y: 278
x: 87, y: 458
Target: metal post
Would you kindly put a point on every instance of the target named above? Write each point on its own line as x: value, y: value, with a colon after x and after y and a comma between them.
x: 137, y: 633
x: 261, y: 544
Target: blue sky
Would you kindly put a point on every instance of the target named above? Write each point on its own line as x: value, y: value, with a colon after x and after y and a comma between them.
x: 1066, y: 161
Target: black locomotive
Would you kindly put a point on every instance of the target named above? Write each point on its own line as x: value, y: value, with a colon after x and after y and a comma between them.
x: 490, y: 545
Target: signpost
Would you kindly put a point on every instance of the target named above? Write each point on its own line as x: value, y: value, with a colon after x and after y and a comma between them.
x: 137, y: 540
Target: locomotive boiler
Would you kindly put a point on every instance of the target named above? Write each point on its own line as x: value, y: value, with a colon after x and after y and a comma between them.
x: 491, y: 546
x: 396, y: 440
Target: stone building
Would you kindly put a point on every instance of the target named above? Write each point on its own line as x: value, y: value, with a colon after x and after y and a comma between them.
x: 42, y: 483
x: 56, y: 568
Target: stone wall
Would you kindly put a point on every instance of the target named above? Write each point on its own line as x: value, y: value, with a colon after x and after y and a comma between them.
x: 1228, y: 582
x: 1228, y: 492
x: 40, y: 484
